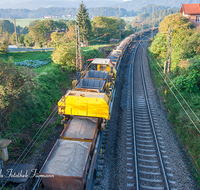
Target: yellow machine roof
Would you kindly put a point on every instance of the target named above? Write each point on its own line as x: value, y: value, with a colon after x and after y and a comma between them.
x: 100, y: 61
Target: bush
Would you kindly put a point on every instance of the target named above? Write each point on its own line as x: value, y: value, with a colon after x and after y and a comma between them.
x: 189, y: 79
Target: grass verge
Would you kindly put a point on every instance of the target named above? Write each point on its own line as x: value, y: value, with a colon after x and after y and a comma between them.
x: 186, y: 130
x: 50, y: 80
x: 21, y: 56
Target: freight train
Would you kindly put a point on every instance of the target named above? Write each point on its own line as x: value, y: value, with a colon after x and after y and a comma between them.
x: 71, y: 164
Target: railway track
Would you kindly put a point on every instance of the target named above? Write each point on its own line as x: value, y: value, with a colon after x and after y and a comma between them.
x: 150, y: 171
x: 134, y: 156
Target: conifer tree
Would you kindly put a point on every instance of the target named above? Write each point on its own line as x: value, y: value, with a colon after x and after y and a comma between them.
x: 84, y: 23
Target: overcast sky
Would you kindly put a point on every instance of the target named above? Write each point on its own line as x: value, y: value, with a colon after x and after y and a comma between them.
x: 34, y: 4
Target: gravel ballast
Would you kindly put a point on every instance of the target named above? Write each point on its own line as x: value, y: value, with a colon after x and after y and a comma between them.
x: 112, y: 173
x: 180, y: 162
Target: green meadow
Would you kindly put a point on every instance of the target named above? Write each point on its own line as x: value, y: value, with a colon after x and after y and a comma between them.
x: 26, y: 22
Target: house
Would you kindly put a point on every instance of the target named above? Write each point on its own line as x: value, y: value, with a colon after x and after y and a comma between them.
x: 191, y: 11
x: 47, y: 16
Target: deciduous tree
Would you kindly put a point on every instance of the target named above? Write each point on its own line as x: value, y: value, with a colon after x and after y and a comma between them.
x: 13, y: 84
x: 108, y: 26
x: 39, y: 30
x: 3, y: 42
x: 182, y: 29
x: 65, y: 51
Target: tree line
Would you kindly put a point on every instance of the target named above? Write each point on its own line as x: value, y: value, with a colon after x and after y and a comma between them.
x: 93, y: 12
x: 184, y: 62
x: 153, y: 15
x: 57, y: 11
x: 102, y: 28
x: 183, y: 78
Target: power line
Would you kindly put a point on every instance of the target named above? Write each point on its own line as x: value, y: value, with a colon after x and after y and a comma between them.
x: 34, y: 141
x: 167, y: 76
x: 175, y: 95
x: 24, y: 126
x: 79, y: 62
x: 98, y: 38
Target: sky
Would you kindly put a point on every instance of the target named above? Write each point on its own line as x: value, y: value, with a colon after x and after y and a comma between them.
x: 34, y: 4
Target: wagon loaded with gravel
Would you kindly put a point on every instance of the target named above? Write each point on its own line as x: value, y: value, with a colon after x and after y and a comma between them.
x: 86, y: 109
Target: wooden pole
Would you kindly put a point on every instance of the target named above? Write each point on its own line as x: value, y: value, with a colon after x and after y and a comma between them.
x: 119, y: 23
x: 15, y: 32
x: 170, y: 58
x: 77, y: 55
x: 167, y: 57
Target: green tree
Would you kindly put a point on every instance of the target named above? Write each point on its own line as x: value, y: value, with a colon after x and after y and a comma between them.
x: 28, y: 40
x: 7, y: 26
x: 38, y: 31
x: 21, y: 39
x: 84, y: 23
x: 190, y: 46
x: 65, y: 51
x: 3, y: 42
x: 61, y: 24
x: 33, y: 23
x: 110, y: 27
x: 12, y: 38
x: 14, y: 83
x: 56, y: 39
x: 182, y: 29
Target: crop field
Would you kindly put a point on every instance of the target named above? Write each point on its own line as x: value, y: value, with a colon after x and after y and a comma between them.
x: 94, y: 47
x: 26, y: 22
x: 130, y: 19
x: 22, y: 56
x: 26, y: 58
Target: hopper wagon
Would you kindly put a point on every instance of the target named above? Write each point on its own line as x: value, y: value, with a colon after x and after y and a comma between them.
x: 85, y: 110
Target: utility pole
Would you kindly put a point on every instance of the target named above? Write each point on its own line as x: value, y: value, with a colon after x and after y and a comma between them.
x: 153, y: 23
x: 119, y: 23
x: 170, y: 59
x: 80, y: 55
x: 159, y: 16
x: 15, y: 32
x: 153, y: 17
x: 169, y: 51
x: 79, y: 61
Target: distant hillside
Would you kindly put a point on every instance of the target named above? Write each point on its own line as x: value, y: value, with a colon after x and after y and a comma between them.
x: 128, y: 5
x: 35, y: 4
x: 58, y: 12
x: 136, y: 5
x: 153, y: 8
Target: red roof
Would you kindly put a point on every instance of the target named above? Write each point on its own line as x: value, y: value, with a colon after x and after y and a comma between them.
x: 190, y: 8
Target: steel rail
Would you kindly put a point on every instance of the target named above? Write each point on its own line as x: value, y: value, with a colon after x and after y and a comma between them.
x: 152, y: 124
x: 134, y: 132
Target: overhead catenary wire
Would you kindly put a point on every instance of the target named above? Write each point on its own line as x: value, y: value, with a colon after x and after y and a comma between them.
x: 50, y: 117
x: 23, y: 126
x: 95, y: 3
x: 174, y: 95
x: 98, y: 37
x: 179, y: 93
x: 45, y: 124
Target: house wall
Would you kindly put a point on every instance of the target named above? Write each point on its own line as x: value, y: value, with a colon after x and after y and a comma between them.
x: 192, y: 18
